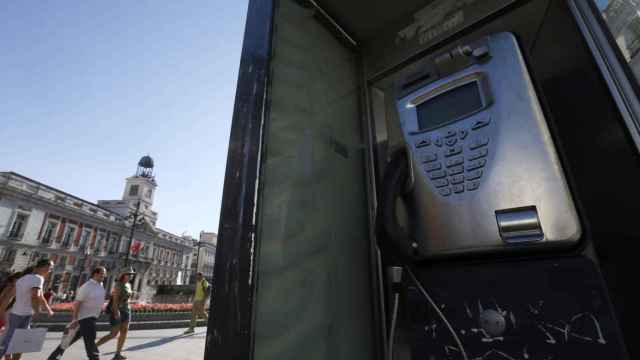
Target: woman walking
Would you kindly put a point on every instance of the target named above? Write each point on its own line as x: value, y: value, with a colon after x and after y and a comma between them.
x: 28, y: 302
x: 7, y: 297
x: 119, y: 312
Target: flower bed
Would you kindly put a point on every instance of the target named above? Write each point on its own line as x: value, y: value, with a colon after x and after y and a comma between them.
x: 136, y: 308
x: 162, y: 308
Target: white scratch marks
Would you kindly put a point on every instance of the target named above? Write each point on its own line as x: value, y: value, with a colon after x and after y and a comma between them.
x: 485, y: 336
x: 498, y: 352
x: 550, y: 339
x: 468, y: 310
x: 431, y: 328
x: 600, y: 339
x: 565, y: 331
x: 452, y: 348
x: 503, y: 313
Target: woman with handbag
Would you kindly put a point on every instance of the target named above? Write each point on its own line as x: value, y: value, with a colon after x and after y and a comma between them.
x: 119, y: 311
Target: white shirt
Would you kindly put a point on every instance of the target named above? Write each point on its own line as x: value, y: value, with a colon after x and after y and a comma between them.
x: 24, y: 285
x: 91, y: 297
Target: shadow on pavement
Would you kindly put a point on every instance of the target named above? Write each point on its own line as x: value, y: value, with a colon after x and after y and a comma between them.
x: 159, y: 342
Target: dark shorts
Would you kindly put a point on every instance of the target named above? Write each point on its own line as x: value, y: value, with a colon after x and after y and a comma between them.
x: 125, y: 316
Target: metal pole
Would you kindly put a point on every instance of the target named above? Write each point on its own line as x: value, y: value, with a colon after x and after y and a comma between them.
x: 133, y: 227
x: 197, y: 258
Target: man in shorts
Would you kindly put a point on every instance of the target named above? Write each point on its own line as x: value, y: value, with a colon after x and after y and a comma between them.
x: 199, y: 300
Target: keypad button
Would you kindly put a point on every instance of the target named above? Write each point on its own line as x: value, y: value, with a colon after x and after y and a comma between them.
x: 437, y: 174
x: 450, y: 133
x: 462, y: 134
x: 473, y: 185
x: 440, y: 183
x: 478, y: 154
x: 455, y: 170
x: 480, y: 124
x: 423, y: 143
x: 445, y: 192
x: 453, y: 151
x: 439, y: 141
x: 430, y: 158
x: 457, y: 179
x: 476, y: 164
x: 458, y: 189
x: 473, y: 175
x: 478, y: 142
x: 455, y: 161
x: 451, y: 141
x: 433, y: 166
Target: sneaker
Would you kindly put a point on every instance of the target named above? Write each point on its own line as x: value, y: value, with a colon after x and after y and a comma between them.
x: 189, y: 331
x: 119, y: 357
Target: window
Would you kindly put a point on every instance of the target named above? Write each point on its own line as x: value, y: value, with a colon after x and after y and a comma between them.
x: 84, y: 239
x: 616, y: 46
x: 49, y: 231
x: 69, y: 234
x: 623, y: 21
x: 101, y: 243
x: 10, y: 257
x: 148, y: 193
x: 133, y: 190
x: 114, y: 244
x: 18, y: 226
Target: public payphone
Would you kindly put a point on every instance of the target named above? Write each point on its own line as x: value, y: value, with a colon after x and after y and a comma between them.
x: 490, y: 142
x: 485, y: 175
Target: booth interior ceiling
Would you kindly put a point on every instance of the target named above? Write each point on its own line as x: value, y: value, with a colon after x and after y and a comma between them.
x: 313, y: 245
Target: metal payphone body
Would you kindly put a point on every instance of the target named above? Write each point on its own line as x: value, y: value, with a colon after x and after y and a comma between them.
x: 486, y: 175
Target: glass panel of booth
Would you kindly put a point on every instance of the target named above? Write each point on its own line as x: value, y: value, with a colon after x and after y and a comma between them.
x: 612, y: 31
x: 314, y: 290
x: 623, y: 21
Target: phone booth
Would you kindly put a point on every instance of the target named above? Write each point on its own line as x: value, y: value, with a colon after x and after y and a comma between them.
x: 431, y: 179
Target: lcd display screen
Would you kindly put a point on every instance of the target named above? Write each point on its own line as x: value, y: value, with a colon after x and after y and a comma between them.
x: 451, y: 105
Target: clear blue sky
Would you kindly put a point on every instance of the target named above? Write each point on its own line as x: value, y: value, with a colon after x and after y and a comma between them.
x: 88, y: 87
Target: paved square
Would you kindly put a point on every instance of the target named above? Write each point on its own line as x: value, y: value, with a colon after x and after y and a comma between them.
x: 167, y: 344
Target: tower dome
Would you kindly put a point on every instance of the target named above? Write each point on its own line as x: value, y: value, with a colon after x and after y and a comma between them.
x: 145, y: 167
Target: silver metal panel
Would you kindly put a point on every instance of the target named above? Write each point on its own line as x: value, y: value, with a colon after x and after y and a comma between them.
x: 507, y: 157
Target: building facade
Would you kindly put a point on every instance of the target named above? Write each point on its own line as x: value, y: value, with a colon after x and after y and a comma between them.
x: 38, y: 221
x: 205, y: 256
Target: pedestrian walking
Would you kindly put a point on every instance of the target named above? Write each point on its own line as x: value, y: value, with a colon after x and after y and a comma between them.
x: 7, y: 299
x: 199, y: 300
x: 7, y: 296
x: 119, y: 311
x: 86, y: 310
x: 48, y: 295
x: 29, y: 300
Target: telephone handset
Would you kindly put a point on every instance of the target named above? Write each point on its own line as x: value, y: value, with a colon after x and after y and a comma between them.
x: 483, y: 170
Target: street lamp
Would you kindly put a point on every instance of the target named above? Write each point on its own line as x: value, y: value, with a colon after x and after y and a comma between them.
x: 198, y: 245
x: 135, y: 219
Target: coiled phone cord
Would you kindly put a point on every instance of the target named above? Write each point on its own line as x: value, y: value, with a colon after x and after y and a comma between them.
x: 394, y: 186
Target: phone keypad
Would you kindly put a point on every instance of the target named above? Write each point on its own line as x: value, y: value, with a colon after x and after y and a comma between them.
x: 433, y: 166
x: 455, y: 162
